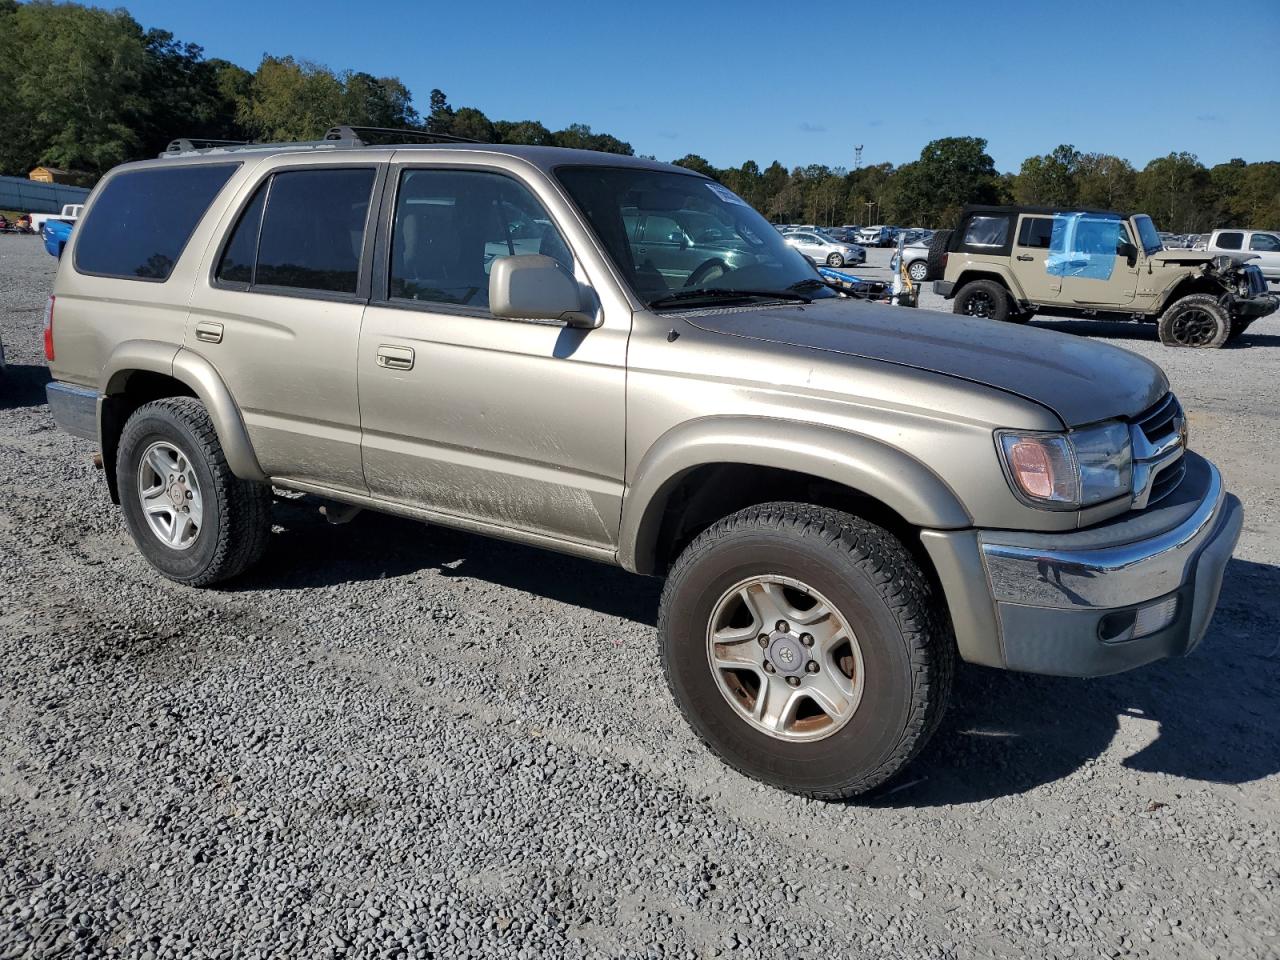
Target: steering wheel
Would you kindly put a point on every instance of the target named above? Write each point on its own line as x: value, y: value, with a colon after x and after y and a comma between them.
x: 705, y: 271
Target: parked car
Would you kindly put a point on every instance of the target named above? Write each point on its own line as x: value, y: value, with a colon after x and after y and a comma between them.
x: 878, y: 236
x: 55, y: 234
x: 843, y: 497
x: 1262, y: 247
x: 70, y: 211
x: 916, y: 256
x: 823, y: 249
x: 1007, y: 263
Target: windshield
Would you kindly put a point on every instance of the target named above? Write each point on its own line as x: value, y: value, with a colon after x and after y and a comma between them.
x: 671, y: 233
x: 1147, y: 234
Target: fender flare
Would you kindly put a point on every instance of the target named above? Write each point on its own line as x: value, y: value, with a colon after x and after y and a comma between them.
x: 861, y: 463
x: 999, y: 271
x: 196, y: 373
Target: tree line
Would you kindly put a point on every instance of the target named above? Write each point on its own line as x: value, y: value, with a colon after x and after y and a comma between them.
x: 84, y: 88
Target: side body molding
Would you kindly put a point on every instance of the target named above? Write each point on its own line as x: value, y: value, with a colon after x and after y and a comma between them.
x: 197, y: 374
x: 861, y: 463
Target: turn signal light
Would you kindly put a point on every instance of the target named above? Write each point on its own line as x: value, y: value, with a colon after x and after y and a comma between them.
x: 48, y: 330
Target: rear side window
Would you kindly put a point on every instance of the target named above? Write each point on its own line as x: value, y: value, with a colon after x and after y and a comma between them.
x: 142, y: 220
x: 1264, y: 243
x: 1230, y: 241
x: 313, y: 229
x: 1035, y: 232
x: 986, y: 232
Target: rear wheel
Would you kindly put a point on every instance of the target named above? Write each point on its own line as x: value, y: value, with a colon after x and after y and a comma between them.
x: 806, y: 648
x: 983, y: 298
x: 190, y: 516
x: 1198, y: 320
x: 918, y: 270
x: 835, y: 260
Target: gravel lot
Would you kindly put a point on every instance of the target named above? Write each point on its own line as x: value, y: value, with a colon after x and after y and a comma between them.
x: 399, y: 741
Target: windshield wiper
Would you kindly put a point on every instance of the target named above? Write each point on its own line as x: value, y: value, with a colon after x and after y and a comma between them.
x: 723, y: 293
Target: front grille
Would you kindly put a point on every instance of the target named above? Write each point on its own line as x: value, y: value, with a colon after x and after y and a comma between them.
x: 1161, y: 421
x: 1167, y: 480
x: 1159, y: 438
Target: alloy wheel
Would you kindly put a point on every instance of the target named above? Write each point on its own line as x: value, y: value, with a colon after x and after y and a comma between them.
x: 784, y: 658
x: 170, y: 495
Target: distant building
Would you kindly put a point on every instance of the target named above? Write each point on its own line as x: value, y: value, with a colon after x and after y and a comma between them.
x: 58, y: 175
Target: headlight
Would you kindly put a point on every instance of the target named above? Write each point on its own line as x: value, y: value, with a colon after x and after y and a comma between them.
x: 1066, y: 471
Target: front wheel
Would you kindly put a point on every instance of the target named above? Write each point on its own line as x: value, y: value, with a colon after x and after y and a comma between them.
x: 805, y: 646
x: 190, y: 516
x: 1197, y: 320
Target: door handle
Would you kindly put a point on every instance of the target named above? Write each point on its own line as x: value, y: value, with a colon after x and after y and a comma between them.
x: 1025, y: 259
x: 209, y: 332
x: 395, y: 358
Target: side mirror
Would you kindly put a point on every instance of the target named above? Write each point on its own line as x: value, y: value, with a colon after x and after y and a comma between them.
x: 1127, y: 250
x: 533, y: 286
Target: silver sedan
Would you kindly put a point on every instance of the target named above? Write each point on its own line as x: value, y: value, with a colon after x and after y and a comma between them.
x: 825, y: 250
x: 917, y: 258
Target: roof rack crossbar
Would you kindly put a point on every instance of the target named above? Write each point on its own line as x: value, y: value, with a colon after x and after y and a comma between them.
x: 339, y: 137
x: 346, y: 131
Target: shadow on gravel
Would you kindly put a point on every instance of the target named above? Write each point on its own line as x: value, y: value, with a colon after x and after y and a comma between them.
x: 1214, y: 713
x: 309, y: 553
x: 22, y: 385
x: 1128, y: 330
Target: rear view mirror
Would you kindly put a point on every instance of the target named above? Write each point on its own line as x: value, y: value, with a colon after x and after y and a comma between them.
x: 532, y: 286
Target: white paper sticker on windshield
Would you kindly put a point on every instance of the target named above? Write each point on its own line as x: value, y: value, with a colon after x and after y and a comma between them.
x: 725, y: 194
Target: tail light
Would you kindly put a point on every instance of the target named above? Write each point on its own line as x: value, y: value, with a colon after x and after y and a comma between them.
x: 48, y: 330
x: 944, y: 260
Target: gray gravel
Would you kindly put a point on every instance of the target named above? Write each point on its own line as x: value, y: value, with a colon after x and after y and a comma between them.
x: 400, y: 741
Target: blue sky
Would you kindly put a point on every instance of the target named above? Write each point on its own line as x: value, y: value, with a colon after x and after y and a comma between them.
x: 774, y: 80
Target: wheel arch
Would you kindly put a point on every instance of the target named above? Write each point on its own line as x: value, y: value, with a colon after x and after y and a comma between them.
x: 1188, y: 285
x: 702, y: 471
x: 987, y: 272
x: 140, y: 371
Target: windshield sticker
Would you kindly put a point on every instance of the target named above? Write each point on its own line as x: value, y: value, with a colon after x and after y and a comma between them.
x: 725, y: 194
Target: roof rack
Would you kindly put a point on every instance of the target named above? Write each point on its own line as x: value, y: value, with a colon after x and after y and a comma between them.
x: 343, y: 136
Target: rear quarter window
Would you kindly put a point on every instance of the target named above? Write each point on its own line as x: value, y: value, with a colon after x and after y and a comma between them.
x: 142, y: 220
x: 988, y: 232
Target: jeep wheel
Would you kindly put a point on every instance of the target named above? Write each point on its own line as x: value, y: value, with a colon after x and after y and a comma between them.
x: 191, y: 517
x: 983, y: 298
x: 805, y: 648
x: 835, y: 260
x: 918, y: 270
x: 1197, y: 320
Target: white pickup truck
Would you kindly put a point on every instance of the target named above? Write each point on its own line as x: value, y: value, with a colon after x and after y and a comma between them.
x: 1263, y: 244
x: 70, y: 211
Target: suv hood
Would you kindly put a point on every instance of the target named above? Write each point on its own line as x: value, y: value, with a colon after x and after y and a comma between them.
x: 1079, y: 380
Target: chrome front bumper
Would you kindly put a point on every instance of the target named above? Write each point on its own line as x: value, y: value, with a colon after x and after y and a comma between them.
x: 1063, y: 601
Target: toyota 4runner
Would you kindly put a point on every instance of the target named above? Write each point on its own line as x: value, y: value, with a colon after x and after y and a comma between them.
x: 841, y: 496
x: 1009, y: 263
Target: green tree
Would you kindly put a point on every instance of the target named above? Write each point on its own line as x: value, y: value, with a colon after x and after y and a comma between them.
x: 71, y: 87
x: 470, y: 123
x: 1105, y: 182
x: 376, y: 102
x: 1174, y: 190
x: 440, y: 120
x: 692, y: 161
x: 1049, y: 180
x: 950, y: 173
x: 292, y: 100
x: 523, y: 131
x: 580, y: 136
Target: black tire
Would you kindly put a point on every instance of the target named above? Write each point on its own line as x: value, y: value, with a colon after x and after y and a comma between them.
x: 236, y: 518
x: 1197, y: 320
x: 937, y: 254
x: 983, y: 298
x: 835, y: 260
x: 889, y: 603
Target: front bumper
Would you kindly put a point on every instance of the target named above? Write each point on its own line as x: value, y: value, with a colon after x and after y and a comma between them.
x: 1254, y: 307
x: 1059, y: 603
